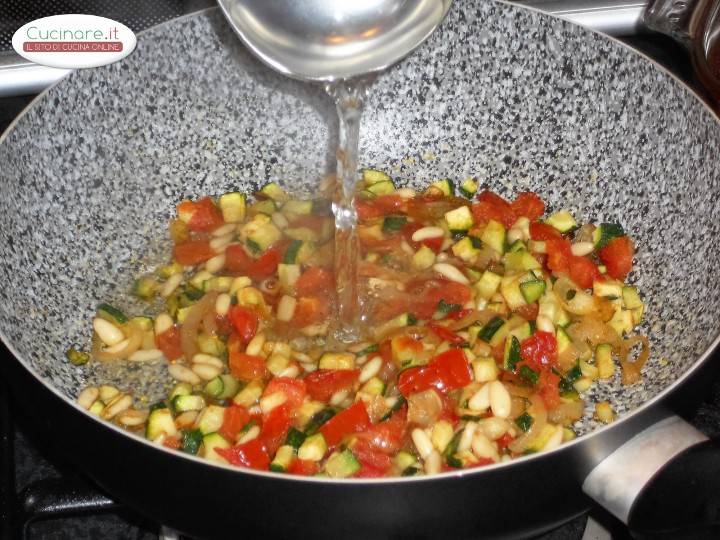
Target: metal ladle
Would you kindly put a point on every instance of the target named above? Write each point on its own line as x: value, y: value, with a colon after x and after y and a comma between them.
x: 330, y: 40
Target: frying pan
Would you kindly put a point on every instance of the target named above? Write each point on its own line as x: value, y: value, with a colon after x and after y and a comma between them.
x: 91, y: 172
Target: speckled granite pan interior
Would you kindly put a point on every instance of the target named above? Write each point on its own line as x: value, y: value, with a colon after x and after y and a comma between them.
x: 92, y: 172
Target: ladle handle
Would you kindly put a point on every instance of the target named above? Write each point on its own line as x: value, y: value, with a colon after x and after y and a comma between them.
x: 662, y: 483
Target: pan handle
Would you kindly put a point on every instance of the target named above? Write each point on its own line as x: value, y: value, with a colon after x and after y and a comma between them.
x: 662, y: 483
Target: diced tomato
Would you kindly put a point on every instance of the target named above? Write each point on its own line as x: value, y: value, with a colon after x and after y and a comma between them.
x: 617, y: 256
x: 448, y: 411
x: 378, y: 207
x: 529, y: 312
x: 294, y: 390
x: 529, y: 205
x: 385, y: 351
x: 492, y: 206
x: 323, y: 383
x: 310, y: 221
x: 445, y: 334
x: 251, y: 454
x: 303, y: 467
x: 387, y: 436
x: 172, y: 442
x: 315, y: 281
x: 539, y: 351
x: 548, y: 385
x: 169, y: 343
x: 266, y: 265
x: 559, y: 255
x: 434, y: 244
x: 247, y: 367
x: 234, y: 418
x: 206, y: 216
x: 543, y: 231
x: 481, y: 462
x: 458, y: 314
x: 193, y: 252
x: 498, y: 351
x: 367, y: 454
x: 429, y: 294
x: 583, y: 271
x: 505, y: 441
x: 351, y: 420
x: 275, y: 427
x: 244, y: 321
x: 368, y: 471
x: 236, y: 259
x: 309, y: 310
x: 447, y: 371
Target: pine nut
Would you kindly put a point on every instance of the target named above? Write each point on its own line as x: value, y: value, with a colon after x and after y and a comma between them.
x: 500, y: 400
x: 163, y: 322
x: 513, y: 235
x: 338, y: 397
x: 116, y: 406
x: 239, y: 283
x: 537, y: 246
x: 279, y: 220
x: 222, y: 304
x: 494, y: 427
x: 87, y: 397
x: 183, y: 374
x: 426, y: 233
x: 132, y: 418
x: 219, y: 243
x: 523, y: 225
x: 480, y: 400
x: 206, y: 371
x: 485, y: 370
x: 286, y: 308
x: 268, y: 403
x: 107, y: 393
x: 108, y: 333
x: 442, y: 434
x: 282, y: 348
x: 256, y: 344
x: 441, y: 257
x: 554, y: 441
x: 483, y: 447
x: 215, y: 264
x: 370, y: 369
x: 450, y: 272
x: 544, y: 324
x: 277, y: 363
x: 290, y: 371
x: 225, y: 230
x: 146, y: 355
x: 466, y: 438
x: 249, y: 395
x: 208, y: 359
x: 249, y: 435
x: 581, y: 249
x: 186, y: 419
x: 422, y: 442
x: 433, y: 463
x: 172, y: 283
x: 118, y: 346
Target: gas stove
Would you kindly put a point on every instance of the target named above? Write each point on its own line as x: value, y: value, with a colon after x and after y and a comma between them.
x: 41, y: 495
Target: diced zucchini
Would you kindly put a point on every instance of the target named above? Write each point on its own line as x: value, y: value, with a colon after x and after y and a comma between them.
x: 563, y: 340
x: 160, y: 421
x: 274, y: 192
x: 381, y: 188
x: 532, y: 290
x: 520, y: 261
x: 406, y: 319
x: 211, y: 442
x: 459, y: 219
x: 214, y: 388
x: 405, y: 351
x: 303, y: 234
x: 374, y: 176
x: 561, y: 318
x: 168, y: 270
x: 111, y: 313
x: 468, y: 188
x: 288, y: 274
x: 249, y: 395
x: 143, y: 322
x: 510, y: 289
x: 211, y: 419
x: 144, y: 287
x: 608, y: 288
x: 606, y: 232
x: 631, y: 298
x: 341, y: 464
x: 512, y: 353
x: 222, y: 387
x: 283, y: 458
x: 465, y: 249
x: 423, y: 258
x: 260, y: 233
x: 318, y: 419
x: 543, y: 437
x: 516, y: 246
x: 298, y: 207
x: 604, y: 361
x: 563, y: 221
x: 524, y: 421
x: 265, y: 207
x: 488, y: 284
x: 337, y: 361
x: 493, y: 326
x: 189, y: 402
x: 291, y: 253
x: 180, y: 389
x: 523, y: 331
x: 622, y: 321
x: 393, y: 224
x: 494, y: 236
x: 295, y: 438
x: 232, y: 206
x: 445, y: 185
x: 374, y: 386
x: 403, y: 460
x: 191, y: 439
x: 313, y: 448
x: 77, y: 358
x: 211, y: 345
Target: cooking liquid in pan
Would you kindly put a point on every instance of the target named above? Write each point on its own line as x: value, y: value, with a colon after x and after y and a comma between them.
x: 349, y: 98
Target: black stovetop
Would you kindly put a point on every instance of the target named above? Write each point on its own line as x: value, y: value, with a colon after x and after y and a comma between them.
x: 44, y: 496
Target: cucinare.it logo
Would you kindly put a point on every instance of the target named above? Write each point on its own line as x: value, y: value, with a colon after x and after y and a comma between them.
x: 74, y: 41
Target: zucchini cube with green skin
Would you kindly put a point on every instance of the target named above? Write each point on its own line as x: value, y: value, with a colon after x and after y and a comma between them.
x: 459, y: 219
x: 160, y: 421
x: 374, y: 176
x: 298, y: 207
x: 111, y: 314
x: 631, y: 298
x: 266, y: 207
x: 313, y: 448
x: 519, y: 261
x: 233, y: 207
x: 532, y: 290
x: 494, y: 236
x: 188, y: 402
x: 374, y: 386
x: 606, y: 232
x: 331, y: 360
x: 563, y: 340
x: 522, y: 331
x: 274, y: 192
x: 341, y: 464
x: 468, y: 188
x: 211, y: 419
x: 288, y: 274
x: 145, y: 287
x: 260, y: 232
x: 511, y: 357
x: 445, y: 186
x: 622, y: 321
x: 211, y: 442
x: 291, y: 253
x: 563, y: 221
x: 191, y: 441
x: 604, y: 361
x: 283, y: 458
x: 510, y: 289
x: 465, y: 250
x: 381, y: 188
x: 423, y: 258
x: 488, y: 284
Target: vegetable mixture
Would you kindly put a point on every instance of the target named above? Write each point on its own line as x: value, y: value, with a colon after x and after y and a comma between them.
x: 485, y: 323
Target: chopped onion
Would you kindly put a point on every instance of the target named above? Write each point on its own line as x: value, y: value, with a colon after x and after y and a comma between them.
x: 191, y: 324
x: 424, y: 408
x: 631, y: 370
x: 539, y: 414
x: 591, y: 329
x: 475, y: 316
x: 567, y: 412
x: 573, y: 298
